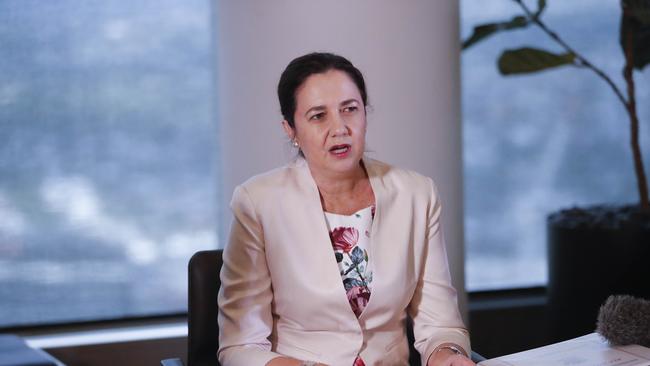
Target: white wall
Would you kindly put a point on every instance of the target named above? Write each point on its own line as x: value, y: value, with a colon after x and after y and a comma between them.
x: 409, y: 54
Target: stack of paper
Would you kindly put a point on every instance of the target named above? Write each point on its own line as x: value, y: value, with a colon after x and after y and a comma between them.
x: 589, y: 350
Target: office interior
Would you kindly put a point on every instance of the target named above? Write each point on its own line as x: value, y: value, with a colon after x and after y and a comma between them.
x: 229, y: 129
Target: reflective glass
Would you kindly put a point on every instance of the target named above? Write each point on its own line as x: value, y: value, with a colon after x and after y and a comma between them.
x: 535, y: 143
x: 108, y: 159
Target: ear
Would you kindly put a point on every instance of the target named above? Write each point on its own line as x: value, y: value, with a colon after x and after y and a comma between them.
x: 291, y: 133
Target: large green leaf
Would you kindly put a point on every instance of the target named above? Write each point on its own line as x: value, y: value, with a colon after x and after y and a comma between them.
x: 527, y: 60
x: 485, y: 30
x: 635, y: 24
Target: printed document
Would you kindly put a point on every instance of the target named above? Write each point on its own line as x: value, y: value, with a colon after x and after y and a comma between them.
x: 588, y: 350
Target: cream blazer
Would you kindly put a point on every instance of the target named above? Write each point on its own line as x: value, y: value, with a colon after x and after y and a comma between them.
x: 281, y: 291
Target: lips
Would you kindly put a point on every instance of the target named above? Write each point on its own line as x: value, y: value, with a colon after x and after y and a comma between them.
x: 341, y: 149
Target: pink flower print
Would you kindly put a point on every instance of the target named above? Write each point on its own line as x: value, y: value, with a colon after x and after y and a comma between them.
x: 344, y: 238
x: 358, y: 297
x: 358, y: 362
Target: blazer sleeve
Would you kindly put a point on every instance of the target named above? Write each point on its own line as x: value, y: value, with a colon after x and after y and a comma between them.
x: 245, y: 296
x: 434, y: 306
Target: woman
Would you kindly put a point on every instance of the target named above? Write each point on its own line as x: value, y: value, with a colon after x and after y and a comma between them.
x: 293, y: 295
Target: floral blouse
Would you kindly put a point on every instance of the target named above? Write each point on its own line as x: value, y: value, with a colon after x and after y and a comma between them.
x: 350, y: 237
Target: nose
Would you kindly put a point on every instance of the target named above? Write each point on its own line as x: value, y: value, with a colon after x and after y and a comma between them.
x: 339, y: 126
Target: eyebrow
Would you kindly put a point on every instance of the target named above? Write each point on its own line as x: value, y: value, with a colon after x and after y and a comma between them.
x: 320, y: 108
x: 348, y: 101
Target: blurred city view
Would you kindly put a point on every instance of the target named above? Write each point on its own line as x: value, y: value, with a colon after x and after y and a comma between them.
x: 540, y: 142
x: 108, y: 156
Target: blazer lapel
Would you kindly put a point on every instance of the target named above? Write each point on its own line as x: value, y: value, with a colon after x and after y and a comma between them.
x: 324, y: 261
x: 377, y: 184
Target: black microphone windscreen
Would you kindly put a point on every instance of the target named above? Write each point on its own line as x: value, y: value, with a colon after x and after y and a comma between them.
x: 624, y: 320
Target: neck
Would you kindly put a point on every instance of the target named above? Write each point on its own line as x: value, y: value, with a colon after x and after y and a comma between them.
x: 334, y: 184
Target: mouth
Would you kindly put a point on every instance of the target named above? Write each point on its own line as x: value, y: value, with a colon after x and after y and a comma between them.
x: 340, y: 150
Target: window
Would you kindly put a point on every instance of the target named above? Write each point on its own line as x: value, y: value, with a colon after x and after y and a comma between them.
x: 108, y: 161
x: 540, y: 142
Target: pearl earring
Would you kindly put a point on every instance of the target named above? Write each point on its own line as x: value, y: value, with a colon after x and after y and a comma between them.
x: 295, y: 143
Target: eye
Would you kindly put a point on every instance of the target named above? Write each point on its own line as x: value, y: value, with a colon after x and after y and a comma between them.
x: 350, y: 109
x: 317, y: 116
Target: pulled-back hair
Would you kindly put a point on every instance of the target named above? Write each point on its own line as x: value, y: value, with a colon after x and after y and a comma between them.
x: 302, y: 67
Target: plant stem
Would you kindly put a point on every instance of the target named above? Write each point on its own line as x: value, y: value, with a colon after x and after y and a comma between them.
x: 629, y: 104
x: 582, y: 61
x: 628, y: 69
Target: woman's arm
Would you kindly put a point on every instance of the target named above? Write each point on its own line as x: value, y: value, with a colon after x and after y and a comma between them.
x: 449, y: 354
x: 286, y: 361
x: 434, y: 306
x: 245, y: 296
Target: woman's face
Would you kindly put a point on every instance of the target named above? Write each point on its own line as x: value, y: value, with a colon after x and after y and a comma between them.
x: 330, y: 123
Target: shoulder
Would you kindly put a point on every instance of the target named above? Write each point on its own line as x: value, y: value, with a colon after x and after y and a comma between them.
x: 400, y: 179
x: 271, y: 177
x: 273, y: 183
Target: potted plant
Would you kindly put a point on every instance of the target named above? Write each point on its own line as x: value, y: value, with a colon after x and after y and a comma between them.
x: 599, y: 250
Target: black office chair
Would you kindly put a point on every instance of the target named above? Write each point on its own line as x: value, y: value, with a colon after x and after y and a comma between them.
x: 203, y: 330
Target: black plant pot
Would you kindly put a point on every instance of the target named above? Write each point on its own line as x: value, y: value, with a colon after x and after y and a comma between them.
x: 593, y: 253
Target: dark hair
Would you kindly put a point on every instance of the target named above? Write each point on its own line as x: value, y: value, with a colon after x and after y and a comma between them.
x: 302, y: 67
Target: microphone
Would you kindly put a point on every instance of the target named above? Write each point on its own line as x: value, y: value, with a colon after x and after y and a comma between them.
x: 624, y: 320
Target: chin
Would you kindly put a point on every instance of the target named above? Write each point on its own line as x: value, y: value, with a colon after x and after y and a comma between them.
x: 346, y: 164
